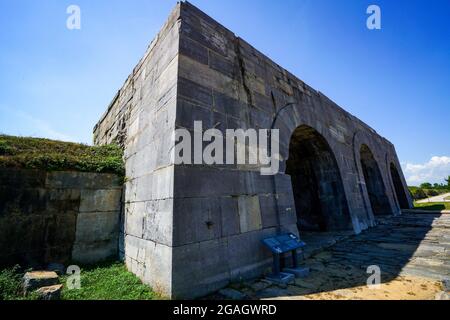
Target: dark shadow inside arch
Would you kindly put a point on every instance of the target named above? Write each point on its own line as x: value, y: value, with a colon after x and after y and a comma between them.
x: 319, y: 193
x: 399, y: 190
x: 374, y: 183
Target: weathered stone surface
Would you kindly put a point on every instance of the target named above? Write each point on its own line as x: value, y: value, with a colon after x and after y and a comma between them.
x: 249, y: 213
x: 43, y: 215
x: 50, y: 292
x: 206, y: 223
x: 100, y: 200
x: 38, y: 279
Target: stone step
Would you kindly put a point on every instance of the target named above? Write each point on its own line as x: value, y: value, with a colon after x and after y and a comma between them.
x: 50, y: 292
x: 37, y: 279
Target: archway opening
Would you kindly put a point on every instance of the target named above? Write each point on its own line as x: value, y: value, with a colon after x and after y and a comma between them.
x: 374, y: 183
x: 398, y: 186
x: 319, y: 194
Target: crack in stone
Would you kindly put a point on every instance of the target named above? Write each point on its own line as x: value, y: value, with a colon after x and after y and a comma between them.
x: 237, y: 47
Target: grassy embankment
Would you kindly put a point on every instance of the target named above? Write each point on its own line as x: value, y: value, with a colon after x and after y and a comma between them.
x: 432, y: 206
x: 107, y: 281
x: 50, y: 155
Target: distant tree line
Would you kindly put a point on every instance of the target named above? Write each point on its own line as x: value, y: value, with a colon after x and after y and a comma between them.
x: 426, y: 190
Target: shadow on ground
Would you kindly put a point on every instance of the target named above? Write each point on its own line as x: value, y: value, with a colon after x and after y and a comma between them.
x: 410, y: 246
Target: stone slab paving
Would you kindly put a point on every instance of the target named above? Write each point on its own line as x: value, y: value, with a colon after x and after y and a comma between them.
x: 412, y: 251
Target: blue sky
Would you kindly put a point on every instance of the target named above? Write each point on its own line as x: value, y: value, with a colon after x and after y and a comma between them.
x: 56, y: 82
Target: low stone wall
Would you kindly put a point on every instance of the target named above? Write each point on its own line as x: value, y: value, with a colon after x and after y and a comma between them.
x: 58, y: 217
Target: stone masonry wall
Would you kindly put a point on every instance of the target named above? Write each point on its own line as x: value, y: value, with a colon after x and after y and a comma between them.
x: 191, y: 229
x: 142, y: 119
x: 58, y: 217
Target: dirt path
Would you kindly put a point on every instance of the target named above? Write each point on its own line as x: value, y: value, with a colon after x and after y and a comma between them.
x: 440, y: 198
x: 401, y: 288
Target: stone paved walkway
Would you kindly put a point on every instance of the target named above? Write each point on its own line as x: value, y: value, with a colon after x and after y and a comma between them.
x: 412, y: 250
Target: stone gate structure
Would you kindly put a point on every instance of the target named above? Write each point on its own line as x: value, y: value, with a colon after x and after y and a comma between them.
x: 191, y: 229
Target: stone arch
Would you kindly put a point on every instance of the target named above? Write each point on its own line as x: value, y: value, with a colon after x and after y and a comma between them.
x: 320, y: 199
x: 374, y: 184
x: 398, y: 187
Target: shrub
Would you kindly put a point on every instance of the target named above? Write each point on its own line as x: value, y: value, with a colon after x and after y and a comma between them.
x: 432, y: 193
x: 419, y: 194
x: 10, y: 283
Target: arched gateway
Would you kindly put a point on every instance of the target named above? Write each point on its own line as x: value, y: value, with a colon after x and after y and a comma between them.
x: 398, y: 186
x: 320, y: 200
x: 374, y: 183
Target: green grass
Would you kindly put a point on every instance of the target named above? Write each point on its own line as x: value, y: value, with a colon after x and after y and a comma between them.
x: 106, y: 281
x: 50, y: 155
x: 110, y: 281
x: 10, y: 284
x: 447, y: 198
x: 433, y: 206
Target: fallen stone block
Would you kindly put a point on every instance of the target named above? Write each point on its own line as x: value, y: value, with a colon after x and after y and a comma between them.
x: 50, y: 292
x: 38, y: 279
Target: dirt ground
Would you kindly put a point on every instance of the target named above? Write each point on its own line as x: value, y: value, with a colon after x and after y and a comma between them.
x: 401, y: 288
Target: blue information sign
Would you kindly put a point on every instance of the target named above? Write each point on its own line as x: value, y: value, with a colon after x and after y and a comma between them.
x: 283, y: 243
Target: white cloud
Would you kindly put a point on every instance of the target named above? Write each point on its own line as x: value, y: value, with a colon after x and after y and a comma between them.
x: 433, y: 171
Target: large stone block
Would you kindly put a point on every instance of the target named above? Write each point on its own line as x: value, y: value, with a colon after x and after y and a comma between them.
x: 199, y: 268
x: 93, y: 252
x: 200, y: 181
x: 154, y: 186
x: 196, y: 220
x: 150, y: 220
x: 100, y: 200
x: 249, y: 213
x: 195, y: 92
x: 151, y: 261
x: 82, y: 180
x: 194, y: 50
x: 17, y: 178
x: 247, y: 256
x: 97, y: 226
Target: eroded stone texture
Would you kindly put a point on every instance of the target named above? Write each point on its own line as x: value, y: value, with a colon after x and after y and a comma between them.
x: 58, y: 217
x: 190, y: 229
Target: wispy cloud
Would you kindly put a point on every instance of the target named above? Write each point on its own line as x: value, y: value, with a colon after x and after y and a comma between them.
x: 35, y: 127
x: 433, y: 171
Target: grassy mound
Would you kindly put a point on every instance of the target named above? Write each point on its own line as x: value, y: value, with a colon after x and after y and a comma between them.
x: 50, y: 155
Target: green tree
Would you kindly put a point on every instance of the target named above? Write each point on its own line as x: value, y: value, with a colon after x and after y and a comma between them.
x: 426, y: 185
x: 448, y: 182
